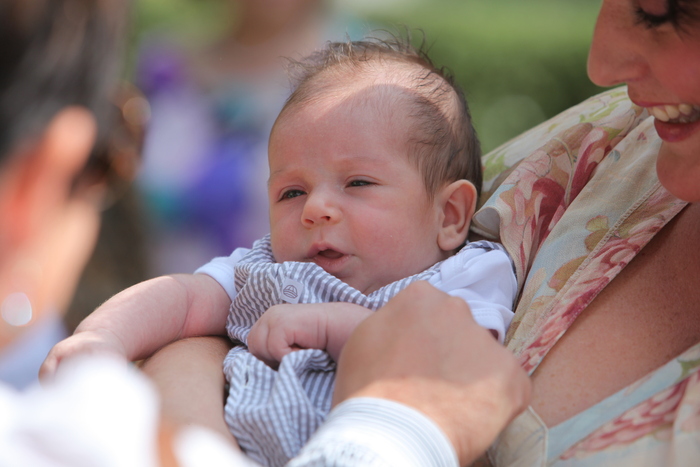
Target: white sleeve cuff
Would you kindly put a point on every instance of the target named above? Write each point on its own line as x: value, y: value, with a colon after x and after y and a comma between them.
x: 377, y: 432
x: 222, y: 270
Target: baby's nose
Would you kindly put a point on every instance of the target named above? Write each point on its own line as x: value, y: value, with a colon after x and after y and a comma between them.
x: 320, y: 209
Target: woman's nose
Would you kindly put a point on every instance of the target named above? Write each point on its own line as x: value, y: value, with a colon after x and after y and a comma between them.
x: 616, y: 53
x: 320, y: 209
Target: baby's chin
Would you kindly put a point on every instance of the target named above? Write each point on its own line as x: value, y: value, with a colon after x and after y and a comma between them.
x: 357, y: 283
x: 363, y: 285
x: 370, y: 289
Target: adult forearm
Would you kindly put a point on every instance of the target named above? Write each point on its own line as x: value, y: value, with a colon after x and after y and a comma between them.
x: 189, y: 377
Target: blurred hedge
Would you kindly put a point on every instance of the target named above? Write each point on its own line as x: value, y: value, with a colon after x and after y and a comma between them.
x: 519, y: 61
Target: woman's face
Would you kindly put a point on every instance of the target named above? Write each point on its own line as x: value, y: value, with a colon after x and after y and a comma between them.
x: 654, y: 47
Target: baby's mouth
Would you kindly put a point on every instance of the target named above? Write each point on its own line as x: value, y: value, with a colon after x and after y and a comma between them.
x: 330, y: 254
x: 332, y: 261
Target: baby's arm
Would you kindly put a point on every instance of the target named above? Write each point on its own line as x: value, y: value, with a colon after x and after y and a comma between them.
x: 285, y: 328
x: 141, y: 319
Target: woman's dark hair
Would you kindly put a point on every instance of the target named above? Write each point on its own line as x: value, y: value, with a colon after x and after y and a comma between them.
x: 53, y: 54
x: 445, y: 144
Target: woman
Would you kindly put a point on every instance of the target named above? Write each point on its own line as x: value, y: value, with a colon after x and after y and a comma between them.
x: 614, y: 363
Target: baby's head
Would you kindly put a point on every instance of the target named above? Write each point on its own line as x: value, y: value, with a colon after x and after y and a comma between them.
x: 374, y: 165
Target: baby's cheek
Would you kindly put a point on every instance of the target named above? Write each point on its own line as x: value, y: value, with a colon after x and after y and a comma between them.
x: 279, y: 247
x: 287, y: 246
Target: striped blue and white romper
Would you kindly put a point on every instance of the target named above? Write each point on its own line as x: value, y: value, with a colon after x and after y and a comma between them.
x: 273, y: 413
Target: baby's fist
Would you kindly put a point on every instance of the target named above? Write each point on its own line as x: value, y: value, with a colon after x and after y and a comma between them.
x: 82, y: 343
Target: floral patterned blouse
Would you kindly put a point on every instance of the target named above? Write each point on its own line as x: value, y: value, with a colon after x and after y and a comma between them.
x: 573, y: 201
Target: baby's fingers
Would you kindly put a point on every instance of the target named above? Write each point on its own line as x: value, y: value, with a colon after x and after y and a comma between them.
x: 257, y: 343
x: 48, y: 368
x: 77, y: 344
x: 57, y: 354
x: 268, y: 343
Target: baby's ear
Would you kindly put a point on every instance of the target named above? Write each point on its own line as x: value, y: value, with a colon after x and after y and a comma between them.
x: 458, y: 201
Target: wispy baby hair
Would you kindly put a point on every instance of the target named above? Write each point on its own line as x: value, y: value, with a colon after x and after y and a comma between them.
x: 443, y: 140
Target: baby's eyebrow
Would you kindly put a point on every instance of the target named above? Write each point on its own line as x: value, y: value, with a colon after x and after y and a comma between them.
x: 273, y: 175
x: 284, y: 177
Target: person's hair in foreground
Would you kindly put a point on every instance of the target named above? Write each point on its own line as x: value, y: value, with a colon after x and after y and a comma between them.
x: 58, y: 65
x: 56, y: 55
x: 445, y: 147
x: 59, y: 62
x: 53, y: 54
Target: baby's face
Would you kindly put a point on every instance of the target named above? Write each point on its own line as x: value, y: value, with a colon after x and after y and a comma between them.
x: 344, y: 195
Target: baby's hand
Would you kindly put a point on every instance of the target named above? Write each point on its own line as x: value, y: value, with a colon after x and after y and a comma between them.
x: 285, y: 328
x: 86, y: 342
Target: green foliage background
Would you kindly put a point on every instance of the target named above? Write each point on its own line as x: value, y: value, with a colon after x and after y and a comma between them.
x: 519, y: 61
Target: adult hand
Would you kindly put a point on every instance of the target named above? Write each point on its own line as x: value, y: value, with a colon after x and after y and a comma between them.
x: 423, y: 349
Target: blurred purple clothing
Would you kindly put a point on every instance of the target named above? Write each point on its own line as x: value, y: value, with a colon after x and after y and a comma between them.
x: 204, y: 176
x: 205, y: 162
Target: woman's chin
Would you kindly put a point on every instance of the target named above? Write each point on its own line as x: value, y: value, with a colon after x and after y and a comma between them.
x: 679, y: 174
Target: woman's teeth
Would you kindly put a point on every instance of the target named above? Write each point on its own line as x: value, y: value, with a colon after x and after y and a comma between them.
x: 682, y: 113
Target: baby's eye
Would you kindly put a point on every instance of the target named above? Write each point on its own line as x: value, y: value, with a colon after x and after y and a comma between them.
x: 360, y: 183
x: 289, y: 194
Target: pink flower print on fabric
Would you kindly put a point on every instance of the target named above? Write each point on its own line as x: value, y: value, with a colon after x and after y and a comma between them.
x: 596, y: 144
x: 543, y: 186
x: 618, y: 250
x: 654, y: 416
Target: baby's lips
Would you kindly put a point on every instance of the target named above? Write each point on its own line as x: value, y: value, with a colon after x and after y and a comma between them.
x: 330, y: 254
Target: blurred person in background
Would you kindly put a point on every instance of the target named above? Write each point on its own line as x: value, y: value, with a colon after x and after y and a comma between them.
x: 204, y: 174
x: 61, y: 158
x: 53, y: 107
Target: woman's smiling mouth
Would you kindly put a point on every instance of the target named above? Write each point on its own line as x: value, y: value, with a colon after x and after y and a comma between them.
x: 682, y: 113
x: 675, y: 123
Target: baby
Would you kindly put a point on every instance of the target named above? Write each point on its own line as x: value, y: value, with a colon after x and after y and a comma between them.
x: 374, y: 166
